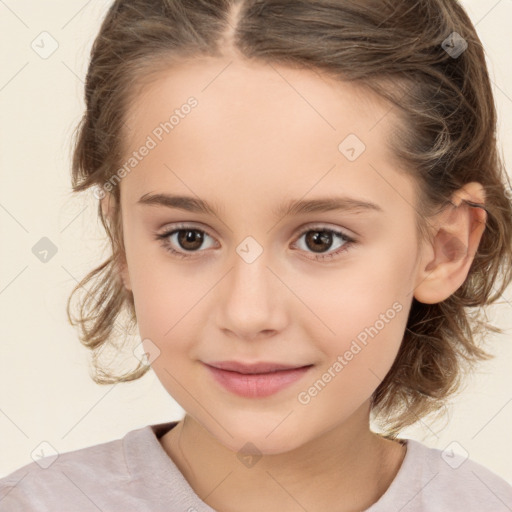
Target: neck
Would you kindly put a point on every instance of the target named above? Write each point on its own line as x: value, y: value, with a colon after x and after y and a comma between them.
x: 346, y: 468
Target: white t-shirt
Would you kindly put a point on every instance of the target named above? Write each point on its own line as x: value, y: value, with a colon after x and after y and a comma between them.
x: 136, y: 474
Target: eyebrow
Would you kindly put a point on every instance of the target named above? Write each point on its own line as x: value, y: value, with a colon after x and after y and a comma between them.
x: 292, y: 207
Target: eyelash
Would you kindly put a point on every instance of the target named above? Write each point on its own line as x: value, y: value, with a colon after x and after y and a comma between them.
x: 349, y: 241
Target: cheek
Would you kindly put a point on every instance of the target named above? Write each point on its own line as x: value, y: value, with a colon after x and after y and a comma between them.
x: 165, y: 308
x: 358, y: 357
x: 368, y: 332
x: 357, y: 296
x: 165, y: 297
x: 364, y: 313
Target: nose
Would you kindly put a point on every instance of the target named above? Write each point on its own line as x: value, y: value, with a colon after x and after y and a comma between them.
x: 251, y: 300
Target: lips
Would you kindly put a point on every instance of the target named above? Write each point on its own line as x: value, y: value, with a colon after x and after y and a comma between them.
x: 253, y: 368
x: 247, y: 382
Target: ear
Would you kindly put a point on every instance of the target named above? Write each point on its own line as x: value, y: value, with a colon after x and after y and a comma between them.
x: 107, y: 207
x: 446, y: 260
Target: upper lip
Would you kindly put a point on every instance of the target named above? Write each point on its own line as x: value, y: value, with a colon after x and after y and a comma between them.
x: 247, y: 368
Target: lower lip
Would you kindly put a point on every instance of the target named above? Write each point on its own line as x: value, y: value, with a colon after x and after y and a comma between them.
x: 257, y: 385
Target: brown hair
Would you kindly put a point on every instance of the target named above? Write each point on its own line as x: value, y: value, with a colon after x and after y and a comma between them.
x: 446, y: 138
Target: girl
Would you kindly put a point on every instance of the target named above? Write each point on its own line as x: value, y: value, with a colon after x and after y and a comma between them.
x: 227, y: 141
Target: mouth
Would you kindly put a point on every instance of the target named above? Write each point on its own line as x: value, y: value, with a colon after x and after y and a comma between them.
x: 256, y: 380
x: 254, y: 368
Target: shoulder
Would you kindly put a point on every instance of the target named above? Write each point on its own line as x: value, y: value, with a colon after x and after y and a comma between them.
x: 431, y: 479
x: 131, y: 474
x: 62, y: 476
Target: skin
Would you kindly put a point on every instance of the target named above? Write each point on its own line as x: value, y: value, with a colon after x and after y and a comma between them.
x: 262, y: 135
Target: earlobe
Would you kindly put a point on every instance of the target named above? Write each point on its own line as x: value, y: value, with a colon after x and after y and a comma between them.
x: 106, y: 205
x: 107, y: 209
x: 125, y: 276
x: 446, y: 260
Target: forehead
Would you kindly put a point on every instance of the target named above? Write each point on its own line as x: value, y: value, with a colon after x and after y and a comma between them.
x: 230, y: 92
x: 259, y: 129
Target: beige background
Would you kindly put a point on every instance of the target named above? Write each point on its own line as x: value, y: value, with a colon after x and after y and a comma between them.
x: 46, y: 393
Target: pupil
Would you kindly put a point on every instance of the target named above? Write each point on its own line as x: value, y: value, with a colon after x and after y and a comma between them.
x: 324, y: 238
x: 187, y: 236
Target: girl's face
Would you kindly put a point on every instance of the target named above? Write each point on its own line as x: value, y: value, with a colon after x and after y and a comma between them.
x: 251, y: 283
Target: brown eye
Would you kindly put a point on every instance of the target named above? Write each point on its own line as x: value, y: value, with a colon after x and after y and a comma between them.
x: 320, y: 239
x: 190, y: 239
x: 183, y: 241
x: 186, y: 241
x: 319, y: 242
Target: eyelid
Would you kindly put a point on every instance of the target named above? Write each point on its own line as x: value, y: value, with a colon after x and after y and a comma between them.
x: 178, y: 225
x: 327, y: 227
x: 172, y: 226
